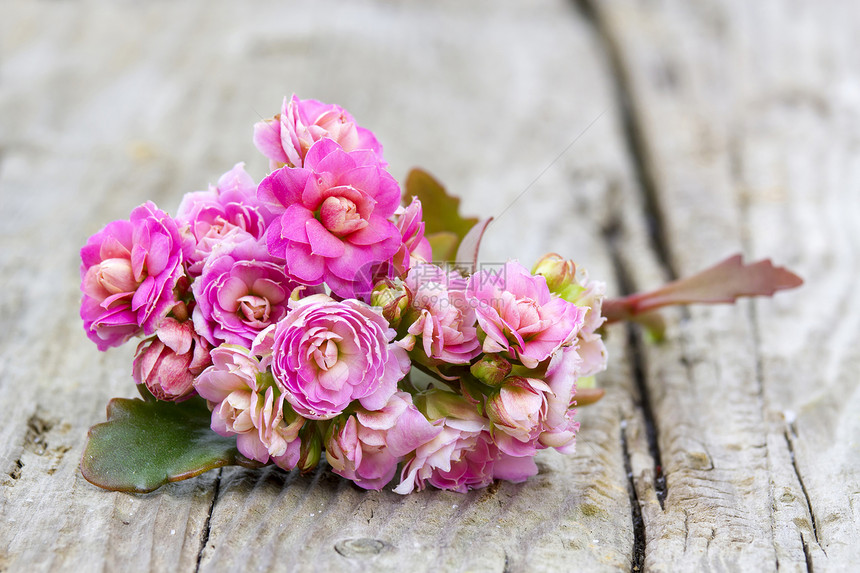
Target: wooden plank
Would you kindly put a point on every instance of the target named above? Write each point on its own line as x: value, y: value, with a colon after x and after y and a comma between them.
x: 744, y: 116
x: 108, y: 108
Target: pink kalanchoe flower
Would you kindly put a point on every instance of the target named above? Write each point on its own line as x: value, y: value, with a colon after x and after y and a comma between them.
x: 367, y: 446
x: 207, y: 217
x: 332, y: 218
x: 517, y: 412
x: 246, y: 402
x: 286, y: 138
x: 443, y: 318
x: 589, y: 344
x: 519, y: 315
x: 559, y: 425
x: 168, y: 362
x: 325, y: 354
x: 459, y: 458
x: 128, y: 272
x: 242, y: 291
x: 462, y: 456
x: 415, y: 248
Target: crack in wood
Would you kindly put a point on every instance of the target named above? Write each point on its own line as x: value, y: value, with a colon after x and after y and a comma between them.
x: 806, y: 554
x: 207, y: 525
x: 788, y: 441
x: 637, y: 560
x: 633, y: 137
x: 634, y: 349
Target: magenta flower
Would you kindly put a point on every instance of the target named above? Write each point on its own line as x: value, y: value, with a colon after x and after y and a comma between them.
x: 325, y: 354
x: 246, y: 402
x: 241, y: 292
x: 443, y: 318
x: 168, y: 362
x: 519, y: 315
x: 286, y: 138
x: 128, y: 272
x: 367, y: 446
x: 208, y: 217
x: 332, y: 218
x: 415, y: 248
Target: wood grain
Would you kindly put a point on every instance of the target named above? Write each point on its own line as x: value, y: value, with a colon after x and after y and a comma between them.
x: 643, y: 139
x: 744, y: 123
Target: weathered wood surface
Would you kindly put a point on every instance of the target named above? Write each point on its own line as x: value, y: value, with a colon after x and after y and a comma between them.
x: 719, y: 127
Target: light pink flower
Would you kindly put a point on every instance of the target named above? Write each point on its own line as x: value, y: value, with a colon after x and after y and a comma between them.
x: 415, y: 248
x: 325, y: 354
x: 443, y: 318
x: 286, y: 138
x: 246, y: 402
x: 519, y: 315
x: 128, y: 272
x: 589, y: 343
x: 332, y: 218
x: 517, y: 412
x: 459, y: 458
x: 241, y: 291
x: 367, y: 446
x: 559, y: 425
x: 168, y: 362
x: 207, y: 217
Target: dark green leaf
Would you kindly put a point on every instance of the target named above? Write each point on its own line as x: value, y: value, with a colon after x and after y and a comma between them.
x: 144, y: 445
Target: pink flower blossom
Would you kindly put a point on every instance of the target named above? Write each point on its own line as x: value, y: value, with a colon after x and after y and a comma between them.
x: 128, y: 272
x: 332, y: 218
x: 325, y: 354
x: 168, y: 362
x: 415, y: 248
x: 241, y: 291
x: 559, y: 426
x: 286, y: 138
x: 246, y: 402
x: 519, y: 315
x: 459, y: 458
x: 589, y: 342
x: 462, y: 456
x: 517, y: 412
x: 367, y: 446
x: 443, y: 318
x: 208, y: 217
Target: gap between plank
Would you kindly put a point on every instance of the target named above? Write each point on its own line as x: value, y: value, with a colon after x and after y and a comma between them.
x: 207, y: 525
x: 637, y: 561
x: 633, y: 346
x: 633, y: 137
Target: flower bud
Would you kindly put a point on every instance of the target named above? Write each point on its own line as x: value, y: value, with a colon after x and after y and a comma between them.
x: 491, y: 369
x: 558, y: 272
x: 311, y: 448
x: 518, y: 408
x: 394, y: 298
x: 168, y: 362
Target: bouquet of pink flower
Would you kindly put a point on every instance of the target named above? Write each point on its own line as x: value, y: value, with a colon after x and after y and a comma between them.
x: 323, y: 312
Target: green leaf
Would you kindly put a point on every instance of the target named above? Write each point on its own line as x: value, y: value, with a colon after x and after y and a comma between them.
x: 444, y: 245
x: 441, y: 212
x: 144, y: 445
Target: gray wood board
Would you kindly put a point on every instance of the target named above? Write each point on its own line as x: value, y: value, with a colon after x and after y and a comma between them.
x: 744, y: 129
x: 105, y: 106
